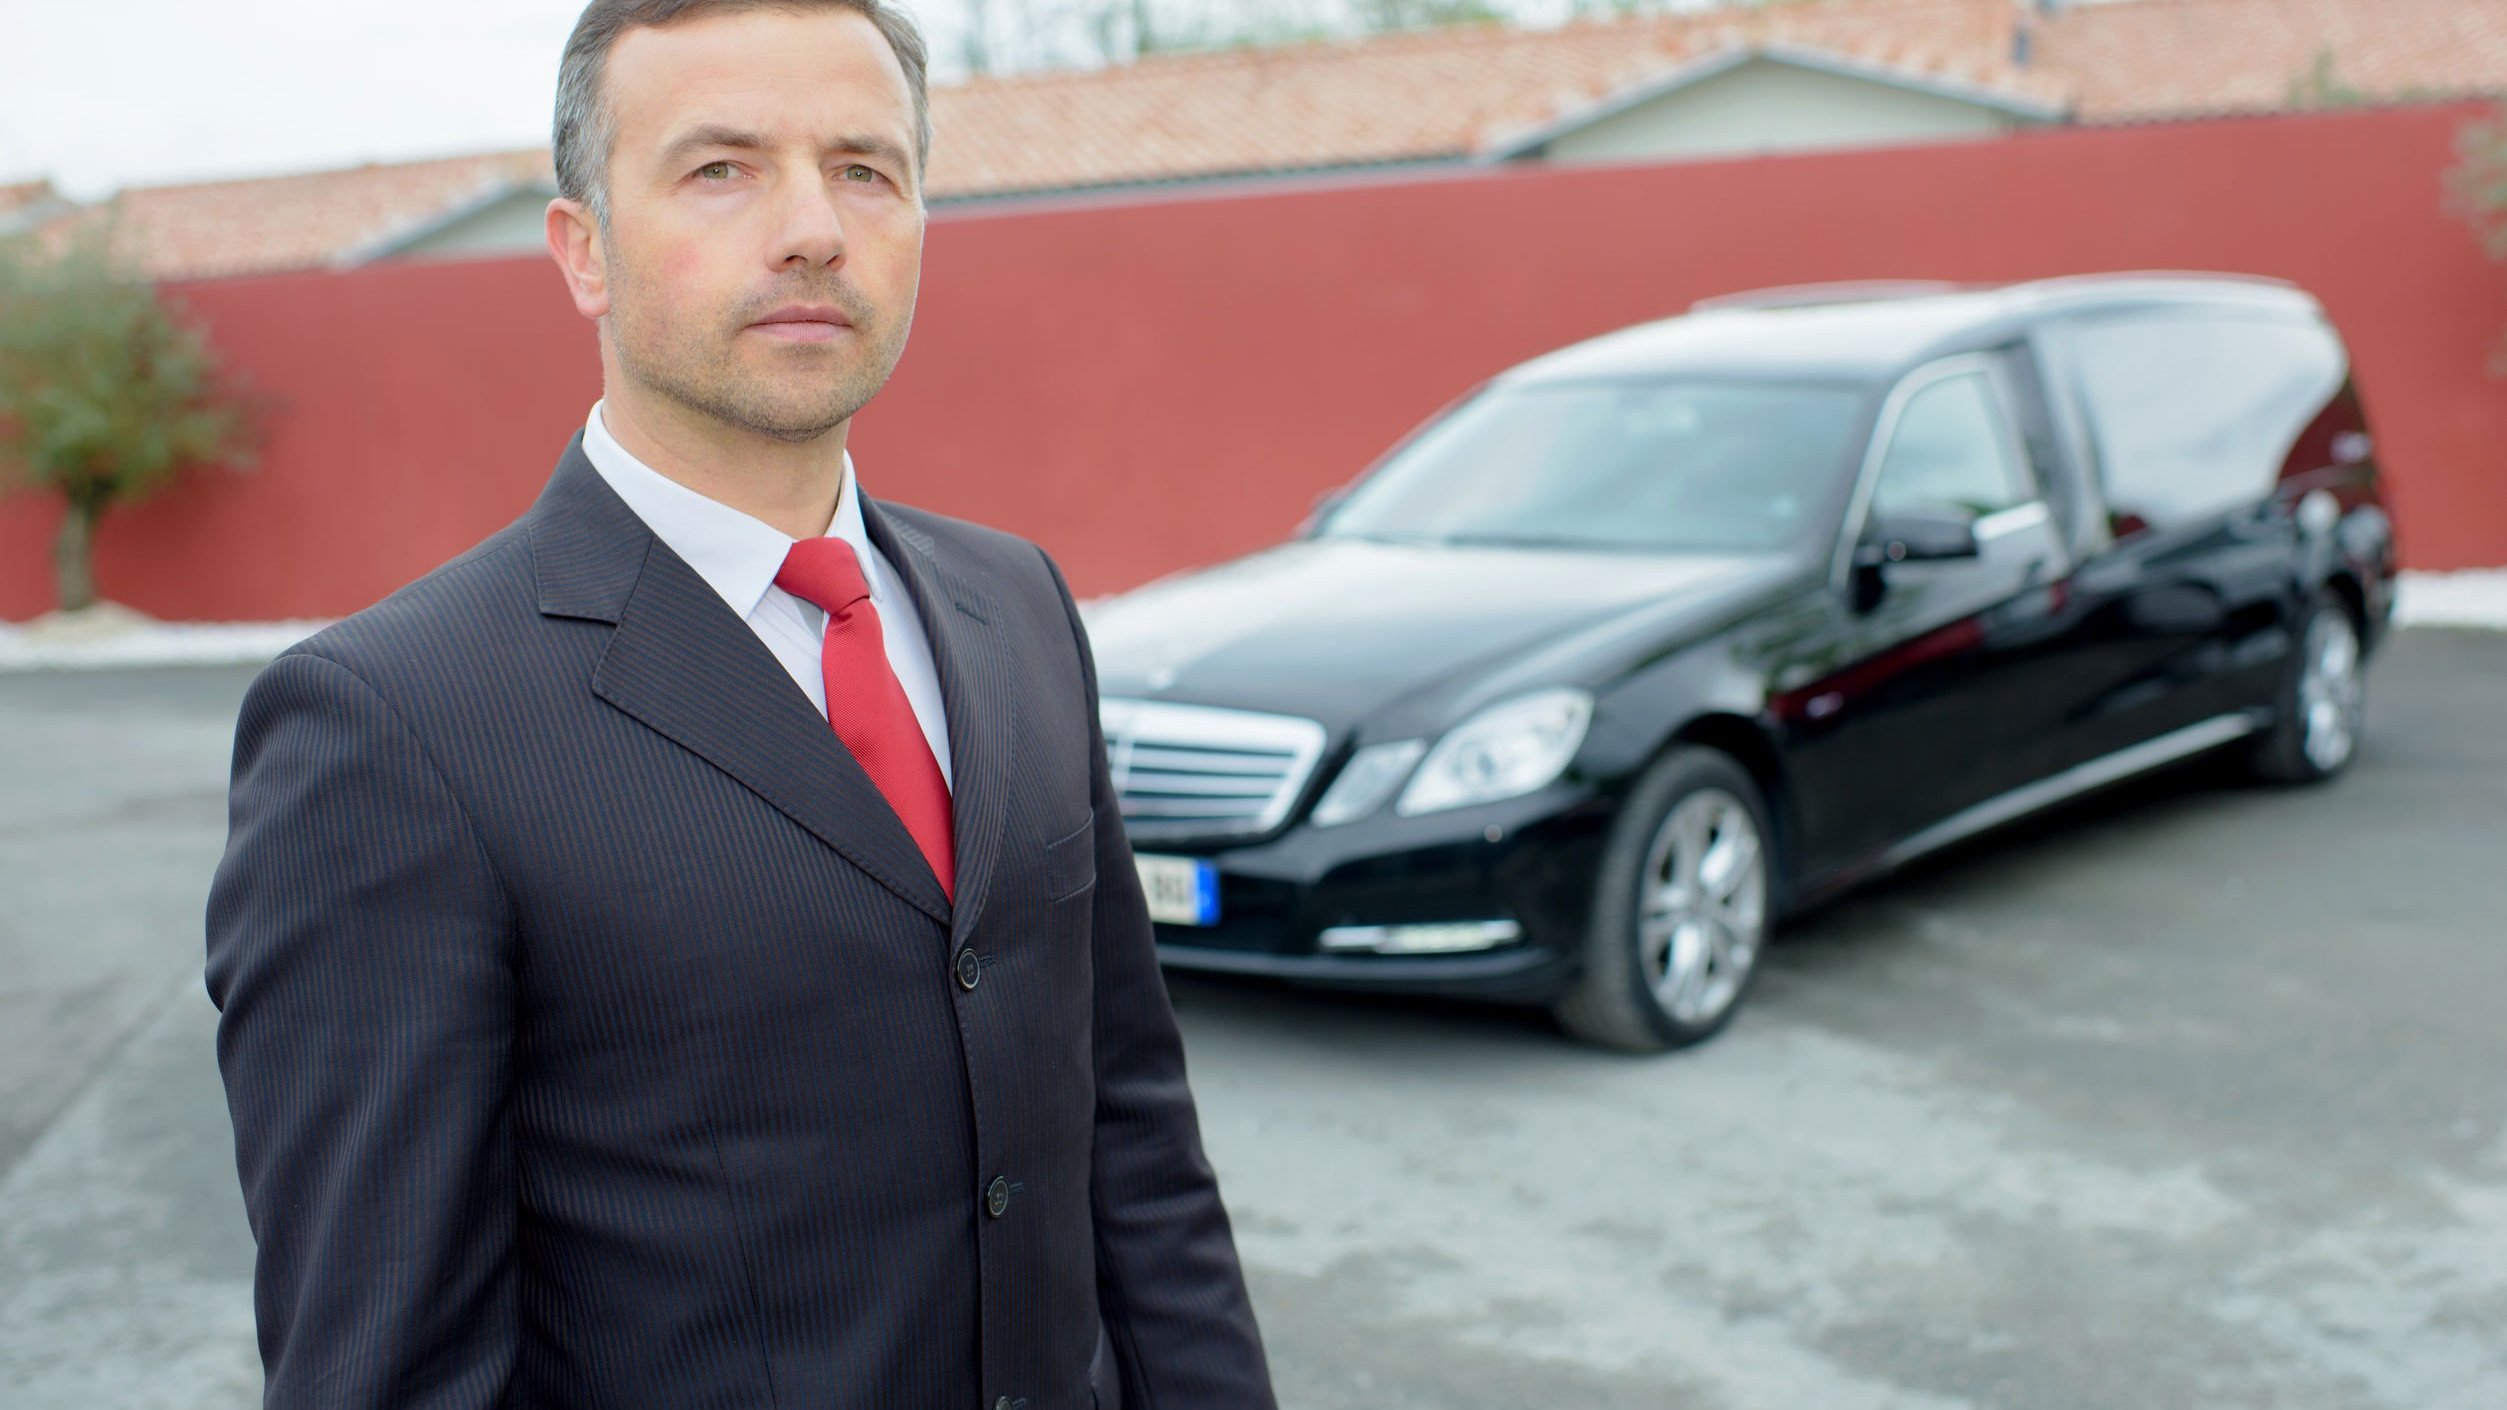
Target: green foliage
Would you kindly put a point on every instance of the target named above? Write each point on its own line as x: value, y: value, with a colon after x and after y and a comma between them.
x: 2476, y: 189
x: 2321, y: 87
x: 105, y: 394
x: 1386, y: 16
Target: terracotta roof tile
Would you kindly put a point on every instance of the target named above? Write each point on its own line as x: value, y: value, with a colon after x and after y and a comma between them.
x: 206, y: 229
x: 1407, y: 97
x: 2157, y: 58
x: 19, y: 196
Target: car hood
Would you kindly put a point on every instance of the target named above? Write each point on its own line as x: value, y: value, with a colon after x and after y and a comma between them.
x: 1337, y: 629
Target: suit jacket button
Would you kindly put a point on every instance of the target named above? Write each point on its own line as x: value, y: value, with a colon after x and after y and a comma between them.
x: 997, y: 1198
x: 970, y: 969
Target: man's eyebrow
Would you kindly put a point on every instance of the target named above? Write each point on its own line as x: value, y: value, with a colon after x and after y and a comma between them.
x: 713, y: 135
x: 868, y: 145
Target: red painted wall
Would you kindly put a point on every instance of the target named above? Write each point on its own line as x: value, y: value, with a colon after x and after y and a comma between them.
x: 1146, y: 383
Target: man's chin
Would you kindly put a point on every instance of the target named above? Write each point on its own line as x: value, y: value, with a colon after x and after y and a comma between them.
x: 796, y: 419
x: 792, y: 428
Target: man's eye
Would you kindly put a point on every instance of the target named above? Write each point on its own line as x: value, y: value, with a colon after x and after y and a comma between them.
x: 859, y: 172
x: 723, y: 167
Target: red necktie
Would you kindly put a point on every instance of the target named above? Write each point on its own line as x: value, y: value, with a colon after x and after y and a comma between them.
x: 865, y: 704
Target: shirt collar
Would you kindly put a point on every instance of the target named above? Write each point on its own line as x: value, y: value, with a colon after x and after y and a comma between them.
x: 737, y: 554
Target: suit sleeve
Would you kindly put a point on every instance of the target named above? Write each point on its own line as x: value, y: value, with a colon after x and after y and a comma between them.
x: 359, y: 957
x: 1168, y: 1285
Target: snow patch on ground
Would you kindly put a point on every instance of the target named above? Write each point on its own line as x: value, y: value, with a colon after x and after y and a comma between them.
x: 2472, y: 598
x: 153, y: 644
x: 2476, y: 597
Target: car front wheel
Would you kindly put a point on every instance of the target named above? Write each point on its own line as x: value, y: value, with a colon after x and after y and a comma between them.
x: 1684, y: 901
x: 2323, y: 699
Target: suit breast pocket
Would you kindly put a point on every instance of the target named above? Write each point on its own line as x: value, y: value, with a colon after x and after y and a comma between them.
x: 1071, y: 862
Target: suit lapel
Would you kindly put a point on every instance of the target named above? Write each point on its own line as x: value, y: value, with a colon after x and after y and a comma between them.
x: 964, y: 626
x: 683, y: 665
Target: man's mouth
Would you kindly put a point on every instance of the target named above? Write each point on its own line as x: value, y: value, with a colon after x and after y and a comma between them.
x: 804, y: 323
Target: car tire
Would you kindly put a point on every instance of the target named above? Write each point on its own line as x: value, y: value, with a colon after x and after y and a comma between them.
x: 2321, y: 706
x: 1684, y: 898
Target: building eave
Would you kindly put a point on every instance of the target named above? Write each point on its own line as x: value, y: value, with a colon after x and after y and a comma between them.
x: 1801, y: 56
x: 417, y: 232
x: 1246, y: 181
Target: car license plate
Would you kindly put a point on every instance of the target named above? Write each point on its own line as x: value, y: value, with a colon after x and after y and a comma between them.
x: 1181, y: 890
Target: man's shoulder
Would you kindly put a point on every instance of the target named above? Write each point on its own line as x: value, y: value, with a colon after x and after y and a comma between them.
x: 454, y: 609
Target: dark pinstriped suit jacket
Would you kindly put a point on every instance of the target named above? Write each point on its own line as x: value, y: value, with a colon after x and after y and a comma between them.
x: 593, y: 1030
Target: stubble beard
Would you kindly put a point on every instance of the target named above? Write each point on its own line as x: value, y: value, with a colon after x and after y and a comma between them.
x: 703, y: 371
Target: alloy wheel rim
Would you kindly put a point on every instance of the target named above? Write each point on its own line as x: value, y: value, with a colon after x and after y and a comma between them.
x: 2329, y: 691
x: 1703, y: 911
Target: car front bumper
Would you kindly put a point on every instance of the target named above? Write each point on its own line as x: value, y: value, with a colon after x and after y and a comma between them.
x: 1528, y: 861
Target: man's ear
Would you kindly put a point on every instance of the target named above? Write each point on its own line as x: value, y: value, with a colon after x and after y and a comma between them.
x: 574, y: 241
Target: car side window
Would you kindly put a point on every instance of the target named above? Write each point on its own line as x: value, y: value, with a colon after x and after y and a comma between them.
x: 2194, y: 415
x: 1951, y: 451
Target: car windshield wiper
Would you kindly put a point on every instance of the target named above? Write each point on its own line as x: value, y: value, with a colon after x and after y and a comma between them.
x: 1381, y: 538
x: 1525, y: 541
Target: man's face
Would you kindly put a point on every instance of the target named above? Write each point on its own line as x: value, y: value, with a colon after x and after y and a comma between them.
x: 763, y: 167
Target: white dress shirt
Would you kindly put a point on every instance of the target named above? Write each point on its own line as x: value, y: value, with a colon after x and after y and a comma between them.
x: 739, y: 556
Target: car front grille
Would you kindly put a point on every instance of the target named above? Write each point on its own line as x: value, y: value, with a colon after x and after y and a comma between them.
x: 1199, y: 771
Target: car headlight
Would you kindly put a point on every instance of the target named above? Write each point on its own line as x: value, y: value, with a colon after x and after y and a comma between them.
x: 1371, y: 776
x: 1512, y: 747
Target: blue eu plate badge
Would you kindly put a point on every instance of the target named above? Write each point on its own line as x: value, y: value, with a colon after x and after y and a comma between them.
x: 1180, y: 890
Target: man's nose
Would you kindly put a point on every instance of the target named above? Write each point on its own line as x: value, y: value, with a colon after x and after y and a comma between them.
x: 808, y: 229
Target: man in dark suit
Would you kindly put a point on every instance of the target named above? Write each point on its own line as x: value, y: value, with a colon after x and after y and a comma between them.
x: 685, y: 950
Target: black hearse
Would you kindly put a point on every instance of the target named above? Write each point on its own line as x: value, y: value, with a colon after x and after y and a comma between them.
x: 1654, y: 640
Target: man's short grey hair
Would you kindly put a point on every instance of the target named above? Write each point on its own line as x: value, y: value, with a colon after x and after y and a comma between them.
x: 586, y: 126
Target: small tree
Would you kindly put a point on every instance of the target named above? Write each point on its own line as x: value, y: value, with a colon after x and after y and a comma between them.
x: 105, y: 395
x: 2476, y: 189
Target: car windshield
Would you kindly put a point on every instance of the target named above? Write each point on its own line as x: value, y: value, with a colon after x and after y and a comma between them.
x: 1688, y: 465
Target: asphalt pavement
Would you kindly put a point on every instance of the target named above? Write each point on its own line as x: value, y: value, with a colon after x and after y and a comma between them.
x: 2189, y: 1096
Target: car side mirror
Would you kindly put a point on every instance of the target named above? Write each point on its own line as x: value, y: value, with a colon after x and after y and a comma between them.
x: 1323, y: 505
x: 1916, y: 535
x: 1907, y: 536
